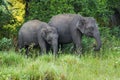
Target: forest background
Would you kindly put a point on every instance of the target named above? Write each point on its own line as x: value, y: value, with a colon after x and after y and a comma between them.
x: 91, y: 65
x: 13, y: 13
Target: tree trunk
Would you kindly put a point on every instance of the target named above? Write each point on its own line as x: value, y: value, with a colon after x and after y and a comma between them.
x: 27, y: 8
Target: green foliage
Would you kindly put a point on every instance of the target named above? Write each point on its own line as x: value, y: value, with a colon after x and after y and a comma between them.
x: 115, y: 31
x: 114, y: 4
x: 50, y: 8
x: 12, y: 12
x: 65, y: 67
x: 11, y: 17
x: 95, y: 8
x: 5, y: 16
x: 5, y: 44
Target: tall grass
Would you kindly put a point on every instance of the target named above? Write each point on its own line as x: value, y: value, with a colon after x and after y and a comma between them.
x: 14, y: 66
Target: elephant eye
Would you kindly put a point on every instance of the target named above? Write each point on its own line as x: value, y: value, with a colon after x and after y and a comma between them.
x: 91, y: 29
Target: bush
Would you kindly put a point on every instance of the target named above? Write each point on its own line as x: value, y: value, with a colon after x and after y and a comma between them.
x: 50, y: 8
x: 115, y: 31
x: 12, y: 16
x: 98, y: 9
x: 5, y: 43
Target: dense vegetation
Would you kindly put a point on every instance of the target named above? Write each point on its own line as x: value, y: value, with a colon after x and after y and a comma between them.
x: 102, y: 65
x: 13, y: 13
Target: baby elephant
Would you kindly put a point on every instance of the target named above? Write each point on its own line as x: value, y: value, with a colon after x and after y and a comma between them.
x: 38, y: 33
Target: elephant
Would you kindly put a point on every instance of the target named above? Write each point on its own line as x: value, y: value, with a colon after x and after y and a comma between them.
x: 38, y: 33
x: 71, y: 28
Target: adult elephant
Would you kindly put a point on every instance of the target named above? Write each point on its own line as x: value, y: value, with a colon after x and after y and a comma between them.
x: 71, y: 27
x: 38, y: 33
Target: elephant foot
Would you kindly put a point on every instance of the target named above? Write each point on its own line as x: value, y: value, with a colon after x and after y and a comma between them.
x: 96, y: 49
x: 78, y: 51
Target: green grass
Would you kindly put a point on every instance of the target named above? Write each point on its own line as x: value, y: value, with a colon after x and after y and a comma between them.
x: 102, y: 66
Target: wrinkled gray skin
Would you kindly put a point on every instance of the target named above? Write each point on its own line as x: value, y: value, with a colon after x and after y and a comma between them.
x: 71, y: 27
x: 38, y: 33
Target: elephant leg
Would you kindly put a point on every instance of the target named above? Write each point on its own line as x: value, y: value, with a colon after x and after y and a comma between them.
x: 43, y: 45
x: 43, y: 48
x: 48, y: 47
x: 76, y: 36
x: 27, y: 50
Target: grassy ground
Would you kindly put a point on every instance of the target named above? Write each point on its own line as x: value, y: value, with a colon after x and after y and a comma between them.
x: 102, y: 65
x: 90, y: 66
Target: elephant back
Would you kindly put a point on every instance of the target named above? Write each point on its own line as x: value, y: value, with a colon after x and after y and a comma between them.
x: 61, y: 20
x: 31, y: 25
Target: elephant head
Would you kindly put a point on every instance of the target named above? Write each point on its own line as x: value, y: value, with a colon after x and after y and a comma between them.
x: 88, y: 26
x: 50, y: 35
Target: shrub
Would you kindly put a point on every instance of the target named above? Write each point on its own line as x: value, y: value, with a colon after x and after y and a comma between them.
x: 99, y: 10
x: 115, y: 31
x: 50, y: 8
x: 12, y: 16
x: 5, y: 43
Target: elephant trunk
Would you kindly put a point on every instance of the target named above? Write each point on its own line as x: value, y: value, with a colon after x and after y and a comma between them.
x: 98, y: 41
x: 55, y: 47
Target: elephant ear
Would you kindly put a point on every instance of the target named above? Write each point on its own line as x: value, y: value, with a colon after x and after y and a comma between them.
x: 81, y: 24
x: 44, y: 33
